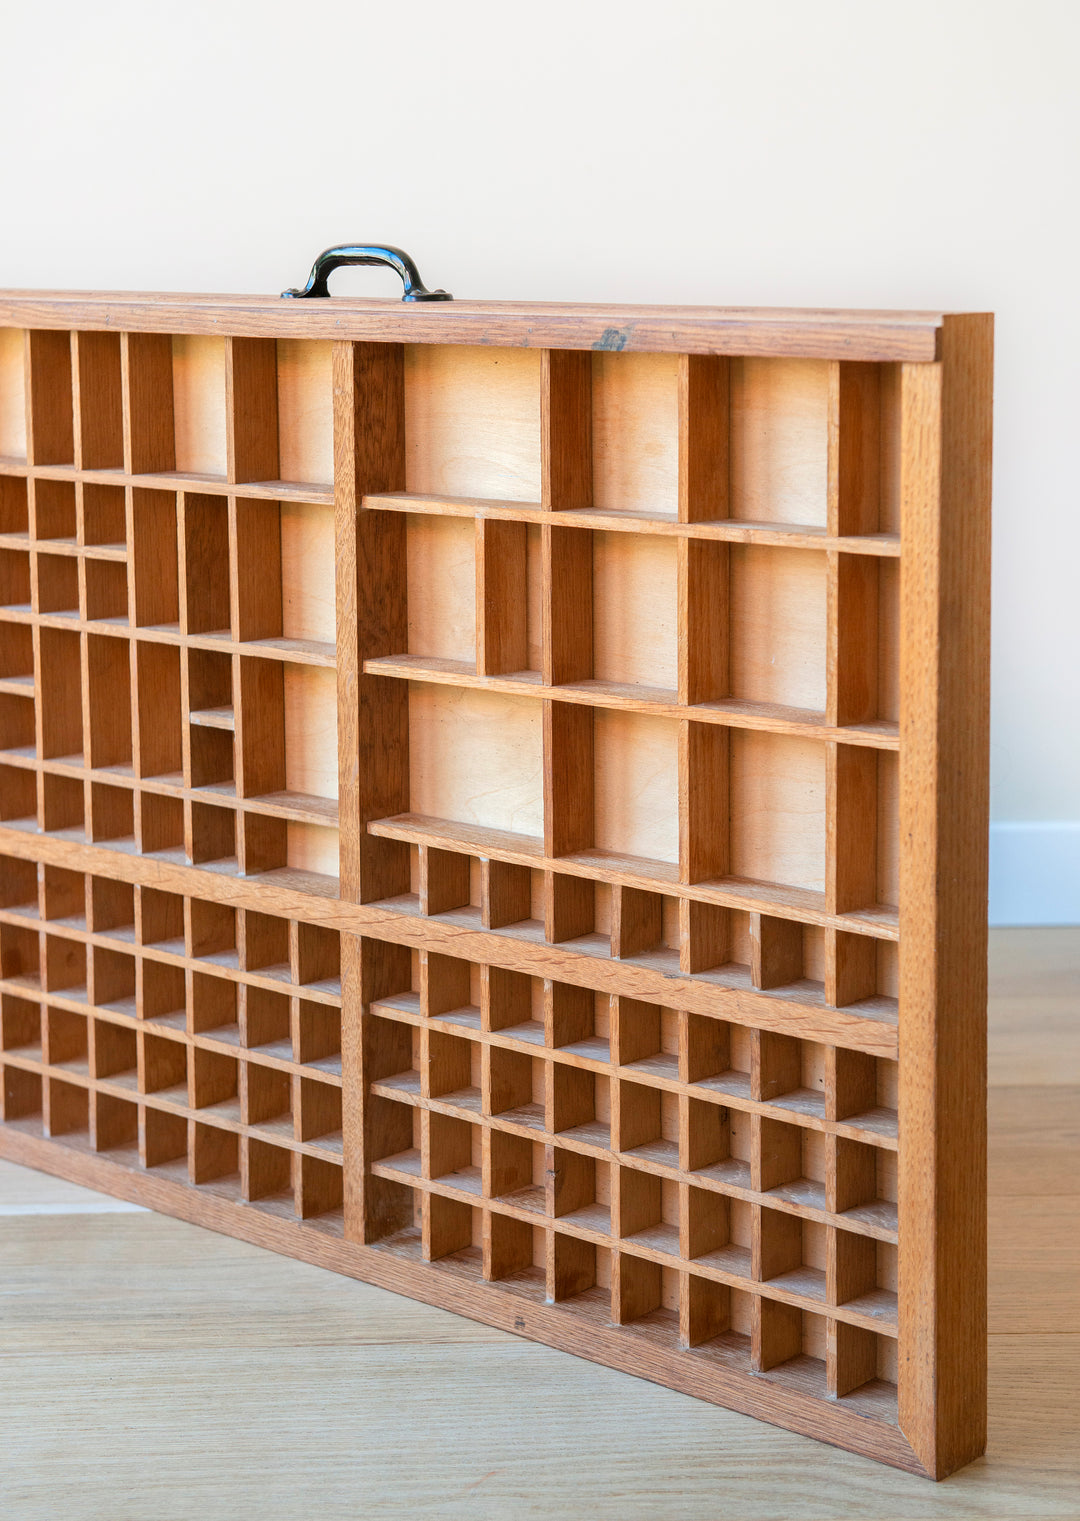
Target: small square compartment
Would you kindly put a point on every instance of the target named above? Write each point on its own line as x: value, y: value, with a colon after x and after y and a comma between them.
x: 266, y: 1099
x: 22, y: 1093
x: 65, y: 967
x: 265, y: 946
x: 320, y: 1114
x: 114, y: 979
x: 580, y: 1271
x: 318, y: 958
x: 163, y: 1067
x: 514, y: 1249
x: 104, y: 516
x: 161, y: 823
x: 791, y: 1253
x: 115, y: 1054
x: 709, y: 1319
x: 709, y: 1141
x: 213, y: 1080
x: 578, y: 1021
x: 14, y: 512
x: 645, y: 1291
x: 318, y: 1035
x: 268, y: 1176
x: 453, y: 1070
x: 58, y: 584
x: 20, y: 954
x: 163, y: 994
x: 20, y: 1026
x: 161, y: 919
x: 17, y: 733
x: 112, y: 909
x: 509, y: 1079
x: 68, y: 1109
x: 65, y: 897
x: 164, y: 1137
x: 790, y: 1341
x: 19, y: 886
x: 646, y: 925
x: 114, y: 1123
x: 54, y: 510
x: 580, y: 1190
x: 452, y: 1228
x: 264, y: 1018
x: 513, y: 1003
x: 580, y: 1105
x: 320, y: 1191
x: 792, y: 1162
x: 789, y: 1073
x: 517, y: 1170
x: 213, y: 1007
x: 214, y: 1157
x: 66, y: 1040
x: 718, y: 1231
x: 106, y: 590
x: 213, y: 932
x: 15, y: 578
x: 648, y: 1123
x: 112, y: 813
x: 453, y: 1152
x: 18, y: 787
x: 646, y: 1037
x: 17, y: 653
x: 63, y: 804
x: 213, y: 834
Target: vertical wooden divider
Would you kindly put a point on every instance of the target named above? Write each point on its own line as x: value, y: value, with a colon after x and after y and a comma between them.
x: 946, y: 426
x: 566, y: 483
x: 373, y: 735
x: 703, y: 617
x: 255, y: 590
x: 567, y: 592
x: 851, y: 771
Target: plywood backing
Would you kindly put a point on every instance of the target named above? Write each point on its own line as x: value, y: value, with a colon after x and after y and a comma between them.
x: 454, y: 805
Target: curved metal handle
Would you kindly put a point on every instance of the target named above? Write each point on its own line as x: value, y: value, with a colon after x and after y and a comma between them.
x: 367, y: 253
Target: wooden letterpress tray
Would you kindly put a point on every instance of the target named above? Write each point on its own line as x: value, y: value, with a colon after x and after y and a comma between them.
x: 494, y: 803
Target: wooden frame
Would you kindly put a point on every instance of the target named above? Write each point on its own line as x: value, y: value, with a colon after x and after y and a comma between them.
x: 576, y: 917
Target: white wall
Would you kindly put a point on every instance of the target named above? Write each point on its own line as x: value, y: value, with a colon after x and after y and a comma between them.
x: 842, y: 153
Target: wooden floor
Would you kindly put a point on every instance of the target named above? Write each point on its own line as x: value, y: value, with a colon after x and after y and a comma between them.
x: 149, y: 1369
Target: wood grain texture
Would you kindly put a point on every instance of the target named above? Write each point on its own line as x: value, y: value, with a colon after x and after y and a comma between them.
x: 911, y: 336
x: 516, y: 922
x: 944, y: 680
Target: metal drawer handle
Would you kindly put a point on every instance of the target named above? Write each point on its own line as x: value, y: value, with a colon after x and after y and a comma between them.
x: 367, y: 253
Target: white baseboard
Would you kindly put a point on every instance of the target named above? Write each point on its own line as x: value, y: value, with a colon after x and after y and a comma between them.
x: 1035, y: 873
